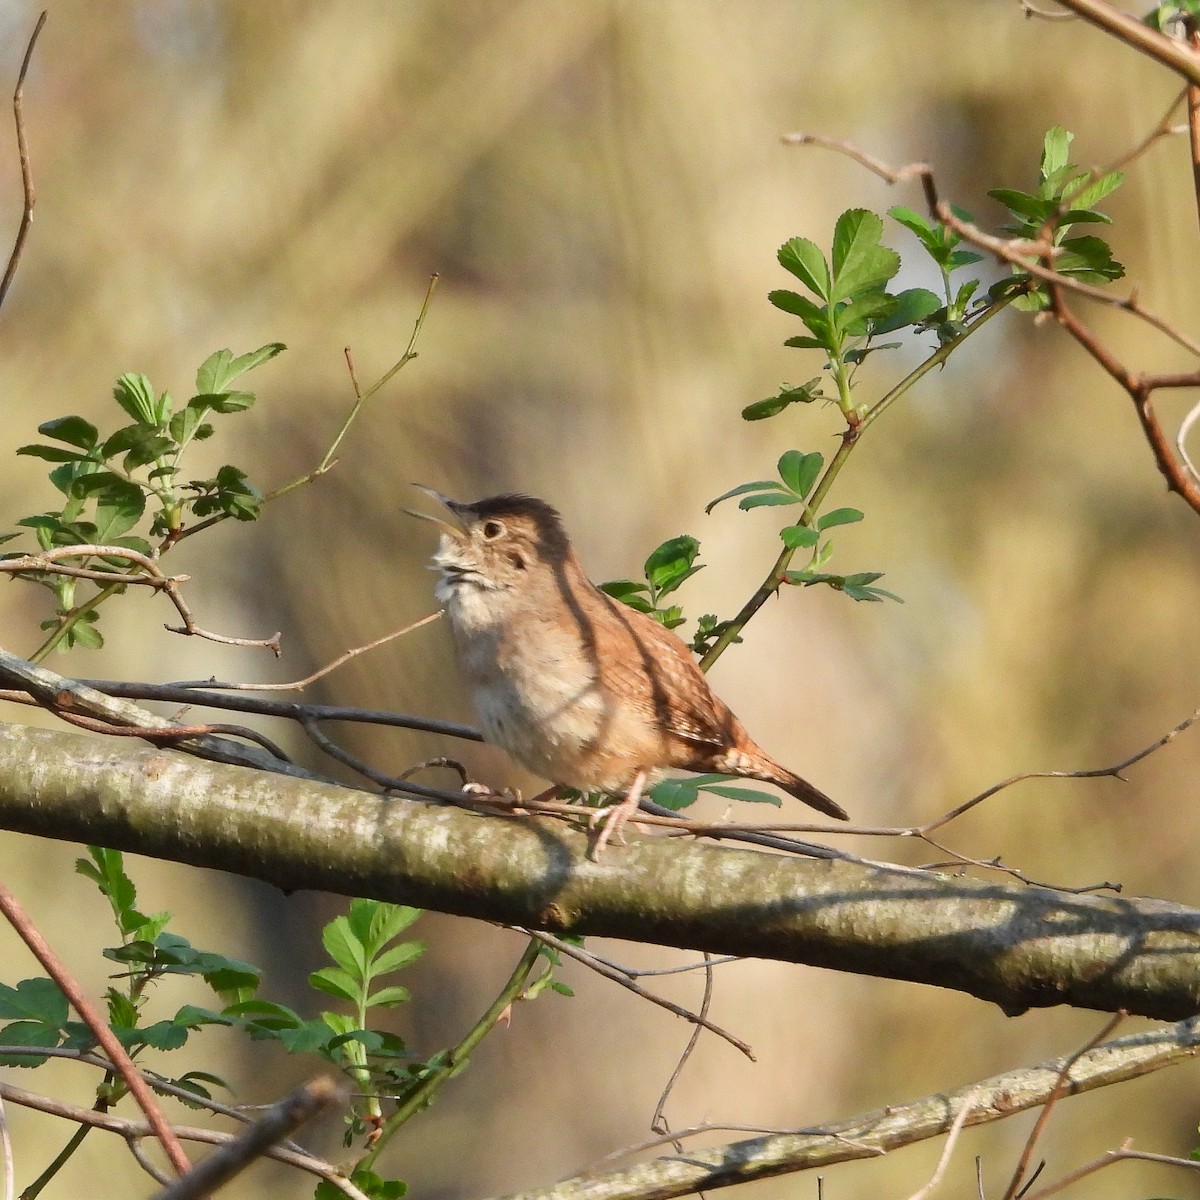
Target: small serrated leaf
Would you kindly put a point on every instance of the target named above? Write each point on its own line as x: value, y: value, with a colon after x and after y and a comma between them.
x: 804, y: 259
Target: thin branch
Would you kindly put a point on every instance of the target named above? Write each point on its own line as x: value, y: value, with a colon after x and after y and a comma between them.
x: 1176, y: 56
x: 122, y: 1063
x: 886, y: 1129
x: 30, y: 198
x: 129, y: 1130
x: 46, y: 562
x: 277, y: 1122
x: 658, y: 1122
x: 606, y: 971
x: 58, y: 694
x: 300, y: 684
x: 10, y: 1178
x: 1060, y: 1090
x: 1122, y: 1154
x: 943, y: 1161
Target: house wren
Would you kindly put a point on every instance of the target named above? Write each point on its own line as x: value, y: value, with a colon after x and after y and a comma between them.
x: 577, y: 687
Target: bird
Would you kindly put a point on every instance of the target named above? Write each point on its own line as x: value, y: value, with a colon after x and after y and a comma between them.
x: 577, y: 687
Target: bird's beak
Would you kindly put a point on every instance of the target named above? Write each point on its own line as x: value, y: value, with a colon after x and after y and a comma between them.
x: 444, y: 526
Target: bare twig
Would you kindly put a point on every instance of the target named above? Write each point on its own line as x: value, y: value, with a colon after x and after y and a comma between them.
x: 606, y: 971
x: 132, y: 1130
x: 1123, y: 1153
x: 30, y: 198
x: 108, y: 1040
x: 47, y: 562
x: 1060, y: 1089
x: 923, y: 1193
x: 60, y: 695
x: 658, y: 1122
x: 991, y: 1099
x: 300, y: 684
x: 276, y: 1123
x: 10, y: 1180
x: 1127, y: 28
x: 1192, y: 31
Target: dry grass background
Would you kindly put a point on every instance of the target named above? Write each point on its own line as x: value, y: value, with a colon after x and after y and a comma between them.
x: 602, y: 187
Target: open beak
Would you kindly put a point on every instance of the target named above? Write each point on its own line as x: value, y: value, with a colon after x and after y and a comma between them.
x: 444, y: 526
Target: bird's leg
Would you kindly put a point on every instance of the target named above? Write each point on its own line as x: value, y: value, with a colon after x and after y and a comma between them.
x: 613, y: 819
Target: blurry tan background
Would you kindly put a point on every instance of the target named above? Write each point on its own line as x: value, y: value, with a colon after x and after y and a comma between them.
x: 602, y: 188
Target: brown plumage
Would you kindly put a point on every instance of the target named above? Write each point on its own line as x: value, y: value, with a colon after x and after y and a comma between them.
x: 576, y: 686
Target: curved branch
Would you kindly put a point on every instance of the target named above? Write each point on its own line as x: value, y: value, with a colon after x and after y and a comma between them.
x: 1018, y: 947
x: 885, y: 1129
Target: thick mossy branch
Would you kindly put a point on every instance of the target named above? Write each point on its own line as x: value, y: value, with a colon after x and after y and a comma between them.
x: 1018, y: 946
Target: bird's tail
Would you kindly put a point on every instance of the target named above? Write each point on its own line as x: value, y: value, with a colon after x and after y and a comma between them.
x: 803, y: 791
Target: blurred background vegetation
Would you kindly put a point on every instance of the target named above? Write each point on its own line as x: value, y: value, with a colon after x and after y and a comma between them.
x: 602, y: 188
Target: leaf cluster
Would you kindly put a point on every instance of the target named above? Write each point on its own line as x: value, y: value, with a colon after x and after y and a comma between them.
x: 1065, y: 197
x: 112, y: 484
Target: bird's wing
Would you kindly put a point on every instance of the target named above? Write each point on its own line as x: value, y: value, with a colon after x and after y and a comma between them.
x: 655, y: 671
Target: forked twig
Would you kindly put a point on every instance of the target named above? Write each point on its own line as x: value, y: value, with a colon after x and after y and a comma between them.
x: 276, y: 1123
x: 607, y: 971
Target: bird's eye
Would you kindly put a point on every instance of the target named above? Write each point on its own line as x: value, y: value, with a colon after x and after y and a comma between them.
x: 492, y: 530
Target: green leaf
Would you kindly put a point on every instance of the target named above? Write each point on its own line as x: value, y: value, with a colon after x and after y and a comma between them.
x: 799, y: 471
x: 912, y: 306
x: 816, y: 319
x: 1022, y: 204
x: 675, y: 794
x: 135, y: 395
x: 758, y: 485
x: 190, y: 1016
x: 344, y: 947
x: 396, y: 957
x: 928, y: 233
x: 374, y: 1186
x: 50, y: 453
x: 623, y: 589
x: 671, y: 564
x: 28, y: 1033
x: 219, y: 370
x: 37, y: 999
x: 772, y: 499
x: 75, y: 431
x: 839, y: 516
x: 745, y: 795
x: 1086, y: 197
x: 798, y: 537
x: 861, y: 313
x: 1088, y: 258
x: 225, y: 402
x: 859, y: 261
x: 806, y: 393
x: 803, y: 259
x: 388, y: 996
x: 162, y: 1035
x: 1055, y: 147
x: 336, y: 982
x: 119, y: 507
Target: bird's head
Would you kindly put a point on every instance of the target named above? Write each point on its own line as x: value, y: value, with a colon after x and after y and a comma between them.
x: 500, y: 544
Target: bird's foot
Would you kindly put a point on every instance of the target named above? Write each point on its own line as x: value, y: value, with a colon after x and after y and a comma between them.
x: 612, y: 820
x: 509, y: 798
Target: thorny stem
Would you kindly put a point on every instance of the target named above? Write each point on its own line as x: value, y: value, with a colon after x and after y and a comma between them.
x: 70, y: 619
x: 426, y: 1088
x: 850, y: 436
